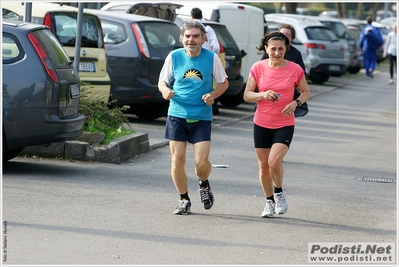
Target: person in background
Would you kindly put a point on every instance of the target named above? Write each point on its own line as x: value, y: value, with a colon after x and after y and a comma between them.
x: 391, y: 49
x: 212, y: 42
x: 370, y: 40
x: 192, y: 70
x: 275, y: 80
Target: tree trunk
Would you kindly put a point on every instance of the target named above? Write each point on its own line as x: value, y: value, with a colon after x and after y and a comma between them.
x: 359, y: 11
x: 344, y: 8
x: 374, y: 11
x: 290, y: 8
x: 339, y: 9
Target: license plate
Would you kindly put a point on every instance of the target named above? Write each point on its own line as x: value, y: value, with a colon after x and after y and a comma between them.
x: 334, y: 68
x: 75, y: 92
x: 87, y: 67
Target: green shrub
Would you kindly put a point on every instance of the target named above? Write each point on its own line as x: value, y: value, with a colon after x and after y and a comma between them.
x: 102, y: 117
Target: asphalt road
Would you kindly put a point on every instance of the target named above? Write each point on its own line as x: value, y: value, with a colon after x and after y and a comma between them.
x: 340, y: 181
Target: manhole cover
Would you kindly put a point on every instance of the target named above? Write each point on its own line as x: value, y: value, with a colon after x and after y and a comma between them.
x: 377, y: 179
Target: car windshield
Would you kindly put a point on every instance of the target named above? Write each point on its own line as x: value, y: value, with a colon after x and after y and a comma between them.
x: 56, y: 54
x: 338, y: 28
x: 161, y: 37
x: 320, y: 33
x: 8, y: 14
x: 66, y: 27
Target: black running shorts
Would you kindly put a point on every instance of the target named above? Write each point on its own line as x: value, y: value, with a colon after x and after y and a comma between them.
x: 265, y: 138
x: 178, y: 129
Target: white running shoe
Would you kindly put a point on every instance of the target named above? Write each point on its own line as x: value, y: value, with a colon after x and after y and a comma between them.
x: 268, y: 212
x: 281, y: 204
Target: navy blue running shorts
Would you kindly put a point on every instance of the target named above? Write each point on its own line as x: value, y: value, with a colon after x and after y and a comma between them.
x: 178, y: 129
x: 265, y: 138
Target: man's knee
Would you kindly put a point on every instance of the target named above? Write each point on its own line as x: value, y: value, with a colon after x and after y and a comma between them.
x: 203, y: 166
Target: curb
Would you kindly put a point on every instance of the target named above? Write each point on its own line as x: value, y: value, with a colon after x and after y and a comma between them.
x: 118, y: 151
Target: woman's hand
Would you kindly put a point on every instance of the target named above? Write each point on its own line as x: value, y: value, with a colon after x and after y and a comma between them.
x: 270, y: 95
x: 289, y: 109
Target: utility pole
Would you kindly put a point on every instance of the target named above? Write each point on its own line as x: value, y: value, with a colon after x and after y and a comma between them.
x: 28, y: 12
x: 78, y: 39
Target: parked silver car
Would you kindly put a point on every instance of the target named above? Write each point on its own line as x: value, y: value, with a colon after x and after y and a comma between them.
x: 326, y: 52
x: 41, y: 89
x: 340, y: 29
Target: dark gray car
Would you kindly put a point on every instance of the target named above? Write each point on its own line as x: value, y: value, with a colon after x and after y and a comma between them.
x: 41, y: 89
x: 136, y: 48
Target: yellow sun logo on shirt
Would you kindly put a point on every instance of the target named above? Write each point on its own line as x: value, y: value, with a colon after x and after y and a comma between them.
x: 194, y: 75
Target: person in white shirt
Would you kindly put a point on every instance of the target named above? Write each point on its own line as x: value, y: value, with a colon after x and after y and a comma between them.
x: 390, y: 49
x: 212, y: 40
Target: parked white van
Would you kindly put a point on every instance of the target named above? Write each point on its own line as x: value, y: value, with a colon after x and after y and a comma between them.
x: 244, y: 22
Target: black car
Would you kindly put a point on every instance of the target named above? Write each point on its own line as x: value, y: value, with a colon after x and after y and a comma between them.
x: 136, y: 49
x: 41, y: 89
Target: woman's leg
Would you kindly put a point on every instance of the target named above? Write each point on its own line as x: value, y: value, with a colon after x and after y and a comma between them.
x: 264, y: 173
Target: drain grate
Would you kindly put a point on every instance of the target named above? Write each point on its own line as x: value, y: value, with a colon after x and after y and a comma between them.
x: 376, y: 179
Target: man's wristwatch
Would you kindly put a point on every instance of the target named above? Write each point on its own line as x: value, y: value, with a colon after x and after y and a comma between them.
x: 298, y: 102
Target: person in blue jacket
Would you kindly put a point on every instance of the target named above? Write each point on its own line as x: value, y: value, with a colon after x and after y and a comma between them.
x: 370, y: 40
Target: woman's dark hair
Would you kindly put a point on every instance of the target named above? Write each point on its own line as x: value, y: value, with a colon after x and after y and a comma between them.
x: 273, y: 36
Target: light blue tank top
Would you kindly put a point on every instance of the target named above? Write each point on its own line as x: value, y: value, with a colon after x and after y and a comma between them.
x: 193, y: 79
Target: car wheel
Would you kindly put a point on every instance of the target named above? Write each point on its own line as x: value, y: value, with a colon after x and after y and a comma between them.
x: 150, y: 111
x: 10, y: 154
x: 319, y: 78
x: 231, y: 100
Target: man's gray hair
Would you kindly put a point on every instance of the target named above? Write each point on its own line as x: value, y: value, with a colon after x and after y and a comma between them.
x: 192, y: 24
